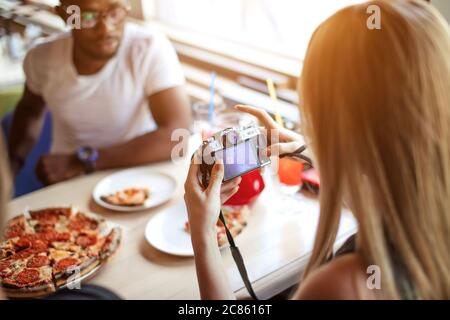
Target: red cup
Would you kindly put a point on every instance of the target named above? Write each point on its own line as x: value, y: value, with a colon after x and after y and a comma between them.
x: 251, y: 186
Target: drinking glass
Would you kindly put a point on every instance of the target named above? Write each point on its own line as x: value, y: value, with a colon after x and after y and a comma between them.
x: 202, y: 124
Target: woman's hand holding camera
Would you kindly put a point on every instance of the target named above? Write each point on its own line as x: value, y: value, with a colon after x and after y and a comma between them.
x: 284, y: 140
x: 204, y: 204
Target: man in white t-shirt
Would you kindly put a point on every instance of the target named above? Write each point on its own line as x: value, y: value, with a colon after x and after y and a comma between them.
x: 114, y: 90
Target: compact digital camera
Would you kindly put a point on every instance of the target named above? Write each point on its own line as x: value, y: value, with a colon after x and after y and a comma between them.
x: 242, y: 150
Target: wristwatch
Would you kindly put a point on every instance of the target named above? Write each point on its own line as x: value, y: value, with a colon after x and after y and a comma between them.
x: 88, y: 157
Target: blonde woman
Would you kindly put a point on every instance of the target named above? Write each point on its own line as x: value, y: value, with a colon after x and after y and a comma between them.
x: 5, y: 188
x: 375, y: 107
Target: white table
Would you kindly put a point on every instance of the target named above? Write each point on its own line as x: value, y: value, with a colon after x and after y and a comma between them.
x: 275, y: 245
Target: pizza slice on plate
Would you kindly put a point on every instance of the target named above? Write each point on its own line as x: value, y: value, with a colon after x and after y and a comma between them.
x: 132, y: 197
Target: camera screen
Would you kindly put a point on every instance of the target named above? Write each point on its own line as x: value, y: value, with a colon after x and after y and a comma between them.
x: 239, y: 159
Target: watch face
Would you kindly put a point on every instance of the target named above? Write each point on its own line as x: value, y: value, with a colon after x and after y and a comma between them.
x: 83, y: 154
x: 87, y: 154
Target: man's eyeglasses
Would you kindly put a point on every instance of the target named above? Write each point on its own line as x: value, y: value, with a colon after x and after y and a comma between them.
x: 114, y: 16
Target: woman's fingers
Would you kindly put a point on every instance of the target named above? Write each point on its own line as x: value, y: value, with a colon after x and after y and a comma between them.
x: 224, y: 197
x: 274, y: 132
x: 229, y: 185
x: 192, y: 177
x: 229, y: 189
x: 262, y: 116
x: 269, y: 129
x: 216, y: 179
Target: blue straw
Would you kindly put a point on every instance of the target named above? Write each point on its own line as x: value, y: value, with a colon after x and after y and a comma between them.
x: 212, y: 89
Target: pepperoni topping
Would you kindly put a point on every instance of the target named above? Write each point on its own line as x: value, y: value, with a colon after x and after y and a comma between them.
x: 64, y: 264
x: 39, y: 246
x: 48, y: 235
x: 4, y: 265
x: 86, y: 240
x: 14, y: 231
x: 81, y: 222
x: 50, y: 216
x: 51, y: 235
x: 27, y: 276
x: 23, y: 243
x: 38, y: 261
x: 23, y: 254
x: 62, y: 236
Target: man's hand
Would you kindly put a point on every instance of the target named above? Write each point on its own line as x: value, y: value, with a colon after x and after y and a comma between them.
x: 54, y: 168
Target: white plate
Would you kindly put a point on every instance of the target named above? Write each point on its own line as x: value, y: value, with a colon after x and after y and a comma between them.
x: 162, y: 187
x: 165, y: 231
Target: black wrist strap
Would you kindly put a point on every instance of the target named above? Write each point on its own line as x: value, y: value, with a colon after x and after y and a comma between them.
x: 299, y: 155
x: 237, y: 257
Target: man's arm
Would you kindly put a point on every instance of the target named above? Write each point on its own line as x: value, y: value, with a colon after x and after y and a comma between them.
x: 26, y: 125
x: 171, y: 110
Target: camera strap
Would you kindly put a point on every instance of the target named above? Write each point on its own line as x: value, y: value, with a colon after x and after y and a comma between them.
x: 299, y: 155
x: 237, y: 257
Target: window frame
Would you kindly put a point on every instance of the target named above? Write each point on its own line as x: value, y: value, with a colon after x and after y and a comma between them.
x: 270, y: 60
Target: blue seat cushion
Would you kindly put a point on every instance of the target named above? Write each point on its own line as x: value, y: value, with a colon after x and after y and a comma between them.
x: 27, y: 181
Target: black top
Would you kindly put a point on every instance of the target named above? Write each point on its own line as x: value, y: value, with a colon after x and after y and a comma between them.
x: 87, y: 292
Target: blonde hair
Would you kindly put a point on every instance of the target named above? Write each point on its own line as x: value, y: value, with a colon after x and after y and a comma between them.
x: 376, y: 105
x: 5, y: 183
x: 5, y: 189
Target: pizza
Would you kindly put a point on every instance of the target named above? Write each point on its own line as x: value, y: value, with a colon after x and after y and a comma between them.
x: 43, y: 250
x: 132, y: 197
x: 236, y: 220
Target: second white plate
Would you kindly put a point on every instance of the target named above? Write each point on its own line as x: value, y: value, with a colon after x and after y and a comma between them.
x: 165, y: 231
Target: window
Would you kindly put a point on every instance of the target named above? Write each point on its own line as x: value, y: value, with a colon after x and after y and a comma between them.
x: 280, y: 26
